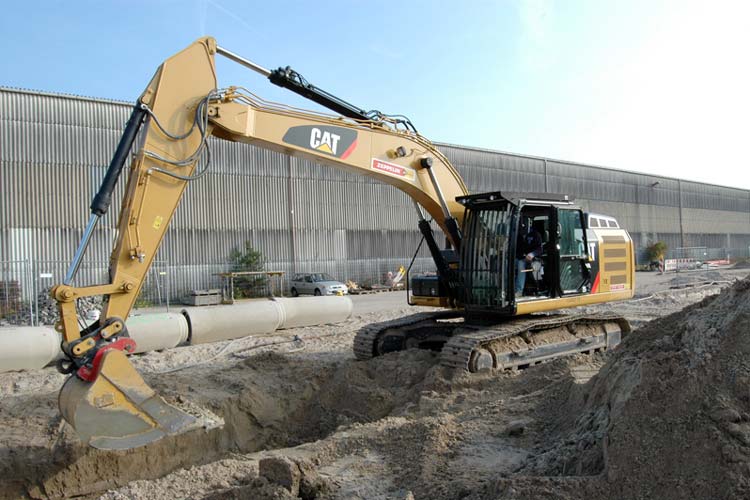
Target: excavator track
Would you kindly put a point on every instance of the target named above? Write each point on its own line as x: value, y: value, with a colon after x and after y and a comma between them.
x: 367, y: 338
x: 517, y: 343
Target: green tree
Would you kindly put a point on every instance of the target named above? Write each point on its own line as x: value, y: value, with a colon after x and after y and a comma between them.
x: 248, y: 259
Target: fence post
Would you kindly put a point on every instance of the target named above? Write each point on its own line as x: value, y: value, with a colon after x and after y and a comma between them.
x: 166, y: 270
x: 30, y: 286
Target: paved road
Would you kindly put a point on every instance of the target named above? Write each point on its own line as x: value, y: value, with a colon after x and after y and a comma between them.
x: 377, y: 302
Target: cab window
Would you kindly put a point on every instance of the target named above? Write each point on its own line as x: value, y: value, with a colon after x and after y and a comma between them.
x: 571, y: 234
x: 574, y: 274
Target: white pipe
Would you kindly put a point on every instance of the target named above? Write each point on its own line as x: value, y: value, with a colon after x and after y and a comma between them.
x: 34, y: 347
x: 311, y: 311
x: 154, y: 332
x: 259, y: 317
x: 28, y: 347
x: 215, y: 323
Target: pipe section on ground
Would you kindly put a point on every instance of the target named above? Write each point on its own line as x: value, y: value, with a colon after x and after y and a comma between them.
x: 154, y: 332
x: 28, y: 347
x: 260, y: 317
x: 311, y: 311
x: 214, y: 323
x: 34, y: 347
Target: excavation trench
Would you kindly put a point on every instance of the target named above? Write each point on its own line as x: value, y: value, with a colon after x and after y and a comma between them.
x: 267, y: 401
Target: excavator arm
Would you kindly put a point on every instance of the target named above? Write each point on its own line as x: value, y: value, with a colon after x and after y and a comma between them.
x: 105, y: 399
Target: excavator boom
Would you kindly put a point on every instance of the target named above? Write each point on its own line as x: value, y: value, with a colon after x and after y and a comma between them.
x: 105, y: 399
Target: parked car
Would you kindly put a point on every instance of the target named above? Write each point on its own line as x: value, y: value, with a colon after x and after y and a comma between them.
x: 316, y: 284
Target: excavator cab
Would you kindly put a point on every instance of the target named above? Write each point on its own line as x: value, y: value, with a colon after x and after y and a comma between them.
x: 489, y: 268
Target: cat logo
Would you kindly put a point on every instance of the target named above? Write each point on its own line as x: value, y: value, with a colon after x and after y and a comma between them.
x: 324, y: 141
x: 334, y: 141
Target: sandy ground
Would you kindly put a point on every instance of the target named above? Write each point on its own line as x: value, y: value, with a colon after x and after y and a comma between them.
x: 299, y: 410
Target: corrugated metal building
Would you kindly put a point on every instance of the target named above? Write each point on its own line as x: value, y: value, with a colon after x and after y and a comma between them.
x: 54, y: 150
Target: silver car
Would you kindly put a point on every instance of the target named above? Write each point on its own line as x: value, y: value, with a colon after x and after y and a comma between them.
x: 316, y: 284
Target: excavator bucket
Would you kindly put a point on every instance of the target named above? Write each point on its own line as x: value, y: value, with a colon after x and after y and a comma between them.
x: 118, y: 411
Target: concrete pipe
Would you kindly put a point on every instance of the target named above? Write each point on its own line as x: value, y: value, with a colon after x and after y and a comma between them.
x: 258, y: 317
x: 153, y: 332
x: 212, y: 324
x: 32, y: 347
x: 28, y: 347
x: 311, y: 311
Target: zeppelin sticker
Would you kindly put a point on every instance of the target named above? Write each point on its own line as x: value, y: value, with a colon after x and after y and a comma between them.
x: 393, y: 169
x: 617, y: 287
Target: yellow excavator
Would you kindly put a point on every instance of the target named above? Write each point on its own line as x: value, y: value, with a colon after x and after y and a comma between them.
x: 496, y: 302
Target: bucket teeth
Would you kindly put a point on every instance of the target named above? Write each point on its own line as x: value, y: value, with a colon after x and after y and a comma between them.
x: 118, y: 411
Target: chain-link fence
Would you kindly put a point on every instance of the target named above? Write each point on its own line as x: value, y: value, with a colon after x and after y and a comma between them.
x: 25, y: 290
x: 702, y: 254
x: 17, y: 292
x: 25, y: 285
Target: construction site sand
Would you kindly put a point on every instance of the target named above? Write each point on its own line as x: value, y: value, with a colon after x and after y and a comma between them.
x: 668, y: 416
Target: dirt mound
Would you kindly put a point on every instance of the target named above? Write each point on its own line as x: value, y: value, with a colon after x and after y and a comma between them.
x: 668, y: 416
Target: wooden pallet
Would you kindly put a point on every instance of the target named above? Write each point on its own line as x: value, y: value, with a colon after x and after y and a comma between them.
x: 203, y: 297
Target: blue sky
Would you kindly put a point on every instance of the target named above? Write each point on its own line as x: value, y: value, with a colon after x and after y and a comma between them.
x: 652, y: 86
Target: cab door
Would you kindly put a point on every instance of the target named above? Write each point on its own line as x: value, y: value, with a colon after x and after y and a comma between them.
x: 572, y: 247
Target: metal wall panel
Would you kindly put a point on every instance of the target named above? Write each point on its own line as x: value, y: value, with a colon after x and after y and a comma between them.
x: 54, y: 150
x: 638, y: 218
x: 696, y: 220
x: 594, y: 183
x: 697, y: 195
x: 485, y: 171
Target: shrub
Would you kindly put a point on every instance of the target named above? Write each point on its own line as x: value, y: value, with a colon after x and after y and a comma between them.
x: 248, y: 259
x: 656, y: 251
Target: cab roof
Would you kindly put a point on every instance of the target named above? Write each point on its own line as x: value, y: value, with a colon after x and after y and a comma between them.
x: 488, y: 199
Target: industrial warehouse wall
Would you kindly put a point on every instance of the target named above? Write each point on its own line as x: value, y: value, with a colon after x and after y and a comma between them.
x: 54, y: 150
x: 652, y: 208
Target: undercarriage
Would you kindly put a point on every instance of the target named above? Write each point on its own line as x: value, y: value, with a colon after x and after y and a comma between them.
x: 519, y: 342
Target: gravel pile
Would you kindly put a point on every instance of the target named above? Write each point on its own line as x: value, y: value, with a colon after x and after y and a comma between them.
x: 88, y: 308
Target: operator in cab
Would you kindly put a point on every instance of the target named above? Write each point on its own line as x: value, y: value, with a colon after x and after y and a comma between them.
x: 528, y: 246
